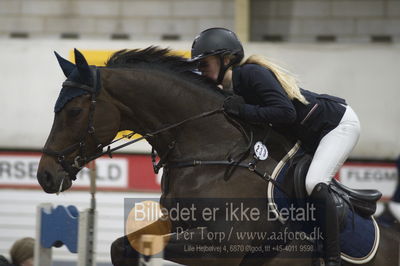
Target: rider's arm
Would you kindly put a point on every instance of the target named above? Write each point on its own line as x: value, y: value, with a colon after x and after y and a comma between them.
x: 275, y: 105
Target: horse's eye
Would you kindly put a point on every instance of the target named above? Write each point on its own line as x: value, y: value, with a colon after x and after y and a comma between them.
x: 74, y: 112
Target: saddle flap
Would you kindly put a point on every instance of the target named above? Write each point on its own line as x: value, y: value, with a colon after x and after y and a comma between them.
x: 364, y: 204
x: 299, y: 177
x: 370, y: 195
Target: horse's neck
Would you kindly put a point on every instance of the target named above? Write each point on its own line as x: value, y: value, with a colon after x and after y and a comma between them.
x: 151, y: 100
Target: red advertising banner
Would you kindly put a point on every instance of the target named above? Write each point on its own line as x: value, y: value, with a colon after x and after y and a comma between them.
x: 133, y: 172
x: 124, y: 172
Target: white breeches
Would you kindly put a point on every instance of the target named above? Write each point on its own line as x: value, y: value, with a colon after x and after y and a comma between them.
x: 333, y: 150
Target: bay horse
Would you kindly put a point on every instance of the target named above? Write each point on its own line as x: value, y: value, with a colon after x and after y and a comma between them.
x: 202, y: 150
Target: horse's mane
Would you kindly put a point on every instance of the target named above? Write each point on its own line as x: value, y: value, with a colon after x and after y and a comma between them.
x: 154, y: 57
x: 150, y: 56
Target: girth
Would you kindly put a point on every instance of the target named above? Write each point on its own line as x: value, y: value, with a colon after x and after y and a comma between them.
x: 193, y: 163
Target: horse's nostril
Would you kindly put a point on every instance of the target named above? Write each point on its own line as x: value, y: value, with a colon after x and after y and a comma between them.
x: 45, y: 178
x: 47, y: 182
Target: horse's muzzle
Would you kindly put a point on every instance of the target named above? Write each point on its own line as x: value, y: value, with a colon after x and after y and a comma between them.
x: 53, y: 184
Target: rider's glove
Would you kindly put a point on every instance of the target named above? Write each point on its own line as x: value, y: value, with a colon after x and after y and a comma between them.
x: 234, y: 105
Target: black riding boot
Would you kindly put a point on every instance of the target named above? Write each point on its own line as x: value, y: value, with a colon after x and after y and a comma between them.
x: 328, y: 222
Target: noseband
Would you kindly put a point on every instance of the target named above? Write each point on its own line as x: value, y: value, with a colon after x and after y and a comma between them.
x: 81, y: 159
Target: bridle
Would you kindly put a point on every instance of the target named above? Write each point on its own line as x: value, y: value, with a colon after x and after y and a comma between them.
x: 81, y: 159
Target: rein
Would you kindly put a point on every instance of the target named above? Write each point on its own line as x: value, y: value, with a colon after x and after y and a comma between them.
x: 110, y: 150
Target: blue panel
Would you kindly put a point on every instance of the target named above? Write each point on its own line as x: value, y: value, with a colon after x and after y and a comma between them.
x: 60, y: 225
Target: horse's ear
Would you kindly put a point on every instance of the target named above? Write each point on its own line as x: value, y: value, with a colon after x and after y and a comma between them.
x: 66, y: 66
x: 81, y: 64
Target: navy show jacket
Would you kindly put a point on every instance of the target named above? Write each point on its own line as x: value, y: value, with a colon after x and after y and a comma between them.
x: 267, y: 102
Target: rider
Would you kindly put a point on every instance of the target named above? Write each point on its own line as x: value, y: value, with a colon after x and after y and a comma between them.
x: 327, y: 127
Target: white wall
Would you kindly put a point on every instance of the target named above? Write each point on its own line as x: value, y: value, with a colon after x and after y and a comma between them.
x: 366, y: 75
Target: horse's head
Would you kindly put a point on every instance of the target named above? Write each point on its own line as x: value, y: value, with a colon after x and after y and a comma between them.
x: 84, y: 122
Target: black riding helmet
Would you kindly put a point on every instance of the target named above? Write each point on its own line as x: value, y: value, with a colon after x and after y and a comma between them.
x: 218, y: 41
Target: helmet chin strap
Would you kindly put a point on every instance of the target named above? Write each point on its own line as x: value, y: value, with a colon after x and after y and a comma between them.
x: 223, y: 68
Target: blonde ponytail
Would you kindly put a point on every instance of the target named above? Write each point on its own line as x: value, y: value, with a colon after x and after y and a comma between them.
x: 285, y: 78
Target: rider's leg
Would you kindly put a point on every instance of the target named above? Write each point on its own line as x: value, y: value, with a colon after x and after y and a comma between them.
x: 328, y: 223
x: 332, y: 151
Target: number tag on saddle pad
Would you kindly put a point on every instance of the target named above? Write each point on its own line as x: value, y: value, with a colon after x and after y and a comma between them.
x: 260, y: 151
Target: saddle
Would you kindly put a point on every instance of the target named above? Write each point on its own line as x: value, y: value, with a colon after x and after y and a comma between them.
x: 362, y: 201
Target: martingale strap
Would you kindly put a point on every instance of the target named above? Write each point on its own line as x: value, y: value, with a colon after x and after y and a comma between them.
x: 163, y: 158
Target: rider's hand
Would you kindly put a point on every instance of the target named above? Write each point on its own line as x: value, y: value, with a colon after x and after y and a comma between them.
x: 234, y: 105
